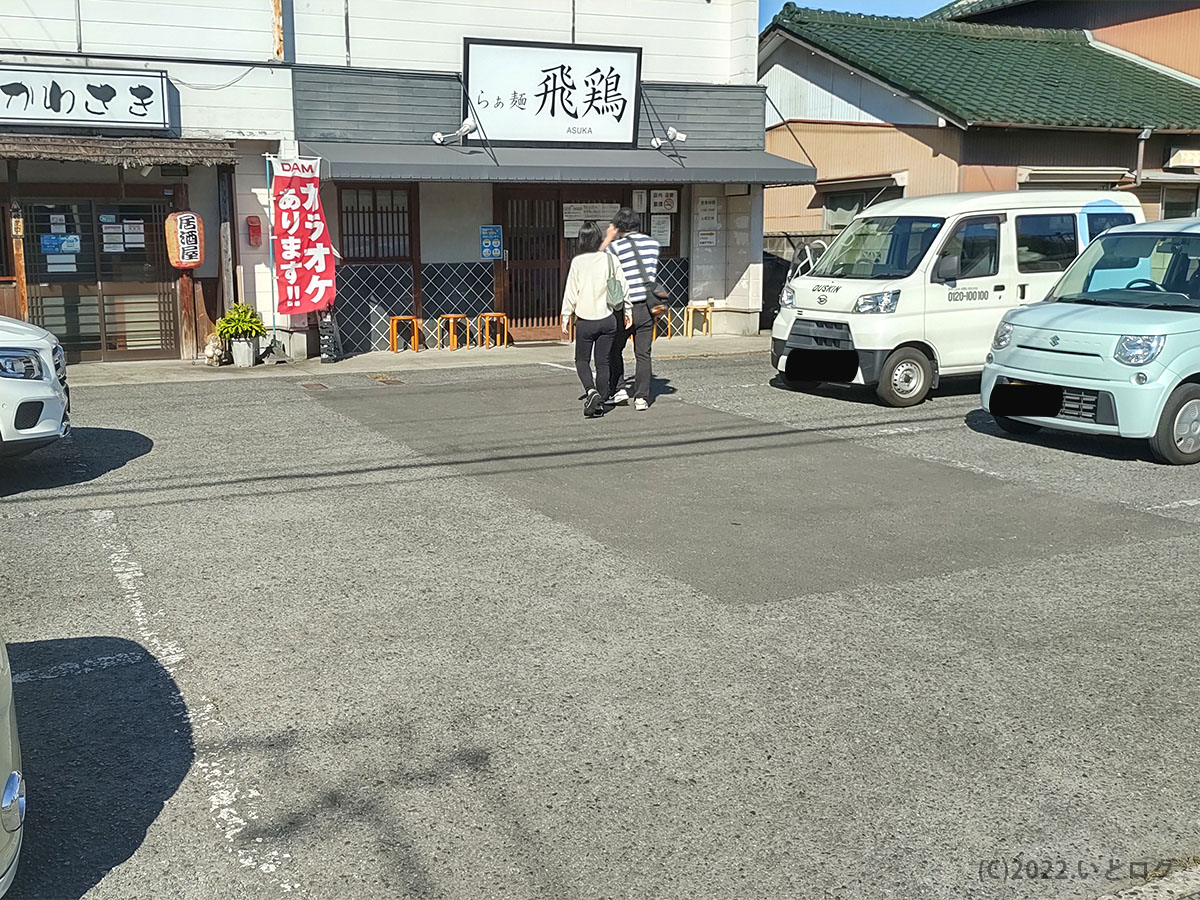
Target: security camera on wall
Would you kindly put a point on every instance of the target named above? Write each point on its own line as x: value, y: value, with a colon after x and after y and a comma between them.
x: 468, y: 125
x: 674, y: 136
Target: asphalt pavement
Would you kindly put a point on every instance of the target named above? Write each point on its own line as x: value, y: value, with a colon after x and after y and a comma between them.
x: 440, y: 636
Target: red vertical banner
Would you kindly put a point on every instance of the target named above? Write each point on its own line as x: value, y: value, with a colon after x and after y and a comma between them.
x: 302, y: 250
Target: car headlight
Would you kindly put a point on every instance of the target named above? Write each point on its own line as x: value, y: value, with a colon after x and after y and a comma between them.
x: 877, y: 303
x: 1002, y: 336
x: 1138, y: 349
x: 788, y: 298
x: 23, y: 364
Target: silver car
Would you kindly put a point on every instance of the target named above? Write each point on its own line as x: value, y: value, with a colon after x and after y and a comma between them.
x: 12, y: 795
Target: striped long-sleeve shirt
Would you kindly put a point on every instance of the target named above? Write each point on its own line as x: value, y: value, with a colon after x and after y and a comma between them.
x: 648, y: 247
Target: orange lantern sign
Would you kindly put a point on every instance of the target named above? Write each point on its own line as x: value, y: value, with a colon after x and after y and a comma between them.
x: 185, y: 239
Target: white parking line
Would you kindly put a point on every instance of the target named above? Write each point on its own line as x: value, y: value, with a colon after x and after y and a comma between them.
x: 1178, y: 504
x: 219, y: 773
x: 889, y: 432
x: 71, y: 669
x: 557, y: 366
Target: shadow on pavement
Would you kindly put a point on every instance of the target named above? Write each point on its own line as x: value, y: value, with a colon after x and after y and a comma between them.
x: 1100, y: 445
x: 86, y: 454
x: 952, y: 386
x: 105, y: 740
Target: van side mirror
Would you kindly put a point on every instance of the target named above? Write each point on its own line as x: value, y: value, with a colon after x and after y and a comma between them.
x: 948, y: 268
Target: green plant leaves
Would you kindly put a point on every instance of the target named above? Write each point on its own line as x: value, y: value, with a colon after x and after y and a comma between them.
x: 241, y: 321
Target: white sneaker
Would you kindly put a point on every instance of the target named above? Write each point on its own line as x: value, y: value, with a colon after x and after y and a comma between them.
x: 621, y: 396
x: 640, y: 404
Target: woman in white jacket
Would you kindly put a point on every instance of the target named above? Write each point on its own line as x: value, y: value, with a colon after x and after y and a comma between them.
x: 587, y: 298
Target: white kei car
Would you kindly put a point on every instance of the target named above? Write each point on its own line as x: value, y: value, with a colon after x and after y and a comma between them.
x: 35, y: 402
x: 12, y: 794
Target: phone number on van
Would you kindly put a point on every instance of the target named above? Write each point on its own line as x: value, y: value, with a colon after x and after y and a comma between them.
x: 959, y: 296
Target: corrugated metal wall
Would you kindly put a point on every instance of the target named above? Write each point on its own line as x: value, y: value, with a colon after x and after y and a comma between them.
x: 1166, y: 31
x: 1168, y: 39
x: 929, y: 155
x: 1083, y: 13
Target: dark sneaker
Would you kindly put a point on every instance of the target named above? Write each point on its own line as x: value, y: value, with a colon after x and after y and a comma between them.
x: 591, y: 404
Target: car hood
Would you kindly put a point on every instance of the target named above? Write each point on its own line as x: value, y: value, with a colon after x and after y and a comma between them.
x: 23, y: 332
x: 837, y: 294
x: 1107, y: 320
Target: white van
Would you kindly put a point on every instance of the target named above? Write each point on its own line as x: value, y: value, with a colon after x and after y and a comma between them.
x: 912, y: 289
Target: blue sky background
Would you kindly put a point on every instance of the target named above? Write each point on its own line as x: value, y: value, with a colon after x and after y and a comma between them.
x: 768, y: 8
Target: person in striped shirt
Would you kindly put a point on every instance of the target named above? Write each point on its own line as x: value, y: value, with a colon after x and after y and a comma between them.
x: 626, y: 242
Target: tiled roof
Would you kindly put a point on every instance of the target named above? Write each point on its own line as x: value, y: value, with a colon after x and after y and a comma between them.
x: 998, y: 75
x: 964, y: 9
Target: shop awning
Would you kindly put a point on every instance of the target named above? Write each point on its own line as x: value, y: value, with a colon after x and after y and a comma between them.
x: 418, y: 162
x: 132, y: 153
x: 863, y: 182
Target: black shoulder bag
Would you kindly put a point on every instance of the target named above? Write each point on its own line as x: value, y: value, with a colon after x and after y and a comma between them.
x: 661, y: 296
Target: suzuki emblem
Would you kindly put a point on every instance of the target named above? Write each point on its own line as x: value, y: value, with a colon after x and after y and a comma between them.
x: 1054, y: 341
x: 822, y: 299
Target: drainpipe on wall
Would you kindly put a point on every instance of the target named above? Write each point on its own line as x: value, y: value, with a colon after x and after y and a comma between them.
x: 1141, y: 155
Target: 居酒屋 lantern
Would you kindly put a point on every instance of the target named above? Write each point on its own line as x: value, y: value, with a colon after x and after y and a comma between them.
x: 185, y: 239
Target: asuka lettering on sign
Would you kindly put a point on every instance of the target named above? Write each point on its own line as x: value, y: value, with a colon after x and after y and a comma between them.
x: 75, y: 96
x: 554, y: 94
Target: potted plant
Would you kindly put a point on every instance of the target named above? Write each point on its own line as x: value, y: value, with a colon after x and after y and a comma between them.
x: 242, y: 327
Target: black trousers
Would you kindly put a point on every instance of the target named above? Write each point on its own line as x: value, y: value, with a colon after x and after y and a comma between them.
x: 643, y: 338
x: 594, y: 338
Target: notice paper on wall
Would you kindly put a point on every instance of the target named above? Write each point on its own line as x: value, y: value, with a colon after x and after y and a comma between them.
x: 58, y: 223
x: 60, y: 243
x: 639, y: 201
x: 135, y: 232
x: 600, y: 213
x: 706, y: 212
x: 706, y: 239
x: 60, y: 262
x: 664, y: 201
x: 660, y: 229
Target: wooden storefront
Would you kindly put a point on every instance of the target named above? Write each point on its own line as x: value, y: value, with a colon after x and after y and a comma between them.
x: 90, y: 264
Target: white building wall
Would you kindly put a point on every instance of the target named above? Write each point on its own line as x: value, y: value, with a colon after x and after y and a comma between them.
x: 684, y: 40
x: 39, y: 25
x: 251, y: 198
x: 728, y: 273
x: 806, y: 85
x: 199, y: 29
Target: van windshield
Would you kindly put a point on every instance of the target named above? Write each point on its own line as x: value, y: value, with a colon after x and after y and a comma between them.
x: 1151, y: 271
x: 879, y: 247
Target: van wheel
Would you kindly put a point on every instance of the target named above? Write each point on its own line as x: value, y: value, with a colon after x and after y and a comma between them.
x: 905, y: 378
x: 1177, y: 439
x: 1012, y: 426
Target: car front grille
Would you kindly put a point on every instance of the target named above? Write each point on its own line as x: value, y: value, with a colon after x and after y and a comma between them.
x: 813, y: 333
x: 1080, y: 404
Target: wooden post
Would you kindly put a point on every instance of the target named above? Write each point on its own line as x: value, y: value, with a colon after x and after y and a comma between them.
x: 277, y: 27
x: 228, y: 248
x: 188, y: 348
x: 17, y: 220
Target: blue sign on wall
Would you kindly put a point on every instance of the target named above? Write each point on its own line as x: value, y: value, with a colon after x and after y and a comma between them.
x: 491, y: 240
